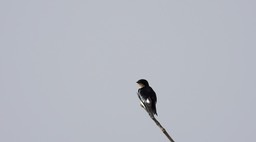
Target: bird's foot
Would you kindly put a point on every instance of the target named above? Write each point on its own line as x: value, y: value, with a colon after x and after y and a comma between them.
x: 142, y: 105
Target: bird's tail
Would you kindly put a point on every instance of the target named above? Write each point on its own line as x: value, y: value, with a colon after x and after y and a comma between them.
x: 154, y: 109
x: 150, y: 108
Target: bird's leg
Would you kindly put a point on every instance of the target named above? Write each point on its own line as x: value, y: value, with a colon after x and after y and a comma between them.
x: 148, y: 108
x: 142, y: 105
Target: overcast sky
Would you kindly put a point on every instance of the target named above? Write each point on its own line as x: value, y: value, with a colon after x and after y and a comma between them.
x: 68, y: 70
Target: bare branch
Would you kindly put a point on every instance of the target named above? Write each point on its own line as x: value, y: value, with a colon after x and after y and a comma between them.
x: 148, y: 109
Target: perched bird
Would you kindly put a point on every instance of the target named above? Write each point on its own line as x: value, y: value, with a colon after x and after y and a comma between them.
x: 147, y: 97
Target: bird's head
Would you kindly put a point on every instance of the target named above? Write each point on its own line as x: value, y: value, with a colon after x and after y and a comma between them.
x: 143, y: 82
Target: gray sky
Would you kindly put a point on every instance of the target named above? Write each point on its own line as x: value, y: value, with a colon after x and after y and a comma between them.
x: 68, y: 70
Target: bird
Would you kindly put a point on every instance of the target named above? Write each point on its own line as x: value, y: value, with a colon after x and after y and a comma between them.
x: 147, y: 97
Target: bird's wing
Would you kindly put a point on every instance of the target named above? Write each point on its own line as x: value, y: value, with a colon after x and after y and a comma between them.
x: 141, y: 96
x: 148, y: 106
x: 146, y: 103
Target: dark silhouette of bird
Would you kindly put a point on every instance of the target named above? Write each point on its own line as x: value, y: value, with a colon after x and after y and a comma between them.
x: 147, y: 97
